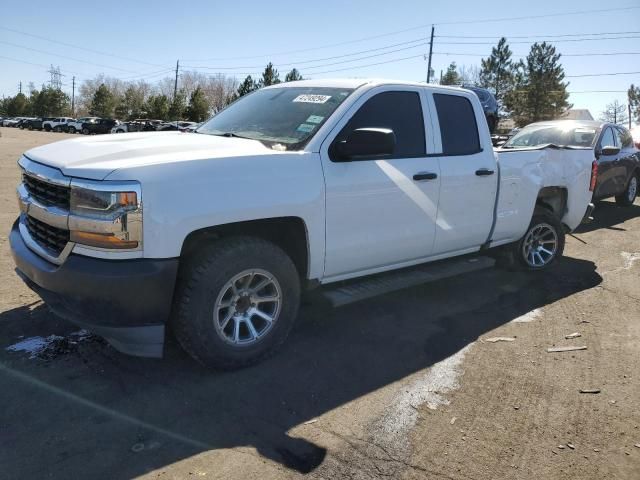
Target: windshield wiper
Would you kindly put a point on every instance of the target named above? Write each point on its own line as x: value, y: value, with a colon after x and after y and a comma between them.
x: 230, y: 135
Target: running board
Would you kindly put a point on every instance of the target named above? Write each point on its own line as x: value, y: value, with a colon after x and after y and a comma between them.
x: 380, y: 284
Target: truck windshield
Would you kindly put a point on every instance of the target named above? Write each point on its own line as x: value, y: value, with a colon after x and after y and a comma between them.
x: 282, y: 118
x: 563, y: 134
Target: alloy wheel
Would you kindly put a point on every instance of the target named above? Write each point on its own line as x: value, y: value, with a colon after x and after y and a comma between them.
x: 247, y: 307
x: 540, y: 245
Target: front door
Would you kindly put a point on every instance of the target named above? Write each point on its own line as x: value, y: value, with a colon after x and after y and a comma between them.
x: 606, y: 181
x: 381, y: 212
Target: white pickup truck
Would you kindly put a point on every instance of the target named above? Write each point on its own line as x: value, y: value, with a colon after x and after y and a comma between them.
x: 303, y: 184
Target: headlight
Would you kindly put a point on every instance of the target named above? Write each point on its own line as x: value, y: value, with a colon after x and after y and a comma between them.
x: 102, y: 204
x: 107, y: 216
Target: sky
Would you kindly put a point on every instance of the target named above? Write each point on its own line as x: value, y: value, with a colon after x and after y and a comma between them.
x: 323, y: 39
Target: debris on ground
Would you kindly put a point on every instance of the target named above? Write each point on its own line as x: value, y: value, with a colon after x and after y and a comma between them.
x: 500, y: 339
x: 309, y: 422
x: 573, y: 335
x: 453, y: 420
x: 589, y: 390
x: 48, y: 348
x: 561, y: 447
x: 637, y: 445
x: 571, y: 446
x: 566, y: 349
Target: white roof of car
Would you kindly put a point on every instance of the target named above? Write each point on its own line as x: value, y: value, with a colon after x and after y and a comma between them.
x: 358, y: 82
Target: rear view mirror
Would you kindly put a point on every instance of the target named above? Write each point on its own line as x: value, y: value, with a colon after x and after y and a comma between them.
x: 609, y: 150
x: 366, y: 144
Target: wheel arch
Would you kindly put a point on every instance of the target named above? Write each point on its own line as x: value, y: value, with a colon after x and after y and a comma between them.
x: 553, y: 199
x: 288, y: 233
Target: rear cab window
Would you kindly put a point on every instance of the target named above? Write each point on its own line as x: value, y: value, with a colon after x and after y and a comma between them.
x: 458, y: 126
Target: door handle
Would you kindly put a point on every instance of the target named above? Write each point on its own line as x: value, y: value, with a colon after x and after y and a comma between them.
x: 425, y: 176
x: 483, y: 172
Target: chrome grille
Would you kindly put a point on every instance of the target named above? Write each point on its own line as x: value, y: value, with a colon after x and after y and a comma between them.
x: 49, y: 237
x: 47, y: 193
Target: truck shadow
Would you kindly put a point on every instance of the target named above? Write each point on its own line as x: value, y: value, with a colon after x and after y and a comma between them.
x: 608, y: 215
x: 99, y: 414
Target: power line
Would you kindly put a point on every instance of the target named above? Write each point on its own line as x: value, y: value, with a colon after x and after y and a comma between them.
x: 525, y: 54
x: 602, y: 74
x: 538, y: 36
x: 421, y: 39
x: 554, y: 41
x: 419, y: 27
x: 78, y: 47
x: 66, y: 57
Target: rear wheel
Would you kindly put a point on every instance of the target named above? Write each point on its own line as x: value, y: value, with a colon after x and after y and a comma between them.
x: 629, y: 195
x: 85, y: 131
x: 72, y: 129
x: 237, y: 300
x: 30, y: 127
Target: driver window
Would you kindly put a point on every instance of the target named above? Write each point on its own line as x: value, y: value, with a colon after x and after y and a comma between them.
x: 398, y: 111
x: 607, y: 139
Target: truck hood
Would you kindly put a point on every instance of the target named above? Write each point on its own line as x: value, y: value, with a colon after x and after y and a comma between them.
x: 95, y: 157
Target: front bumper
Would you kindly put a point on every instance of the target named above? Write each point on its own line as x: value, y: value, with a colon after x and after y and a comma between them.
x: 126, y: 301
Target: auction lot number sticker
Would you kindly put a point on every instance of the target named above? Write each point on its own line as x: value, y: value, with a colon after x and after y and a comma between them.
x: 312, y: 98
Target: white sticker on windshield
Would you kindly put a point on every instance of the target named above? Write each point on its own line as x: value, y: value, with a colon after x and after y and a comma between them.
x: 312, y: 98
x: 315, y: 119
x: 305, y: 127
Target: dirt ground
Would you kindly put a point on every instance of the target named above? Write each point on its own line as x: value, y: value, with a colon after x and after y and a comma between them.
x: 407, y: 385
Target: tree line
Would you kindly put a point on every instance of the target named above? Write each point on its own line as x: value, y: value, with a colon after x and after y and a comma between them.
x: 527, y: 90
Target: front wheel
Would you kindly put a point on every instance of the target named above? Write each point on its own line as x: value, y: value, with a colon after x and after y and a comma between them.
x: 72, y: 130
x: 85, y: 131
x: 629, y: 195
x: 237, y: 300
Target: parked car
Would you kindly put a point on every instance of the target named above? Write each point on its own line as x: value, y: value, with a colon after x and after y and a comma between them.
x: 35, y: 123
x: 22, y: 123
x: 11, y: 122
x: 138, y: 125
x: 58, y: 124
x: 175, y: 125
x: 339, y: 180
x: 76, y: 126
x: 617, y: 159
x: 489, y: 105
x: 101, y: 125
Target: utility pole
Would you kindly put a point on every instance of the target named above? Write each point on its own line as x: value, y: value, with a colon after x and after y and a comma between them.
x: 430, y: 55
x: 175, y: 85
x: 73, y: 96
x: 20, y: 86
x: 629, y: 108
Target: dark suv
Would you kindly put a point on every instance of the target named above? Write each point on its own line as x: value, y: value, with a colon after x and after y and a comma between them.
x: 489, y: 105
x: 99, y: 125
x: 35, y: 123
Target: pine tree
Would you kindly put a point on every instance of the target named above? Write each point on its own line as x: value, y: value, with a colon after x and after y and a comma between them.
x: 270, y: 76
x: 633, y: 96
x: 451, y: 76
x: 198, y: 109
x: 540, y: 92
x: 178, y: 105
x: 103, y: 102
x: 157, y: 107
x: 247, y: 86
x: 293, y: 76
x: 497, y: 73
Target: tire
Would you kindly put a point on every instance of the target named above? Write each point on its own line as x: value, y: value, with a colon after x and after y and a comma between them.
x: 57, y: 129
x: 30, y: 127
x: 630, y: 192
x: 72, y: 130
x: 46, y: 128
x: 85, y: 131
x: 519, y: 255
x: 220, y: 328
x: 492, y: 121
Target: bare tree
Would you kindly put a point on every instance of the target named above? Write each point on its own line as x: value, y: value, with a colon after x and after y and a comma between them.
x: 615, y: 112
x: 469, y: 74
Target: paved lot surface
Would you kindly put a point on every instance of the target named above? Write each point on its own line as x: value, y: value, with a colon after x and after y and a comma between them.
x: 403, y: 386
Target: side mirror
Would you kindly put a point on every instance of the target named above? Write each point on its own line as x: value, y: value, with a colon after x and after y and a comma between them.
x: 366, y: 144
x: 609, y: 150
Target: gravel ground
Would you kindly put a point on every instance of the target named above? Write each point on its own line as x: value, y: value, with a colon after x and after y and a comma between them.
x: 407, y: 385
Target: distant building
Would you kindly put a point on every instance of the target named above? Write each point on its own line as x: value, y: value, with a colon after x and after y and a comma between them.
x: 576, y: 114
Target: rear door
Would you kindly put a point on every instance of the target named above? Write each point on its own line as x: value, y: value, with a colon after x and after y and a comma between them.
x: 606, y: 184
x: 469, y: 174
x: 381, y: 213
x: 626, y: 161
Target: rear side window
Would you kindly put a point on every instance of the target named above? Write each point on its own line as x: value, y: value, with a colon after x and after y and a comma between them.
x: 458, y: 127
x: 624, y: 138
x: 398, y: 111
